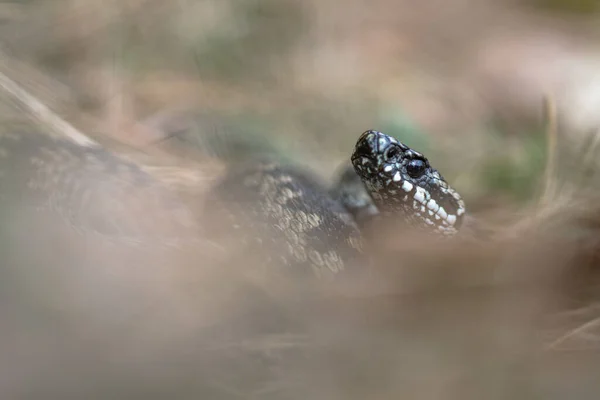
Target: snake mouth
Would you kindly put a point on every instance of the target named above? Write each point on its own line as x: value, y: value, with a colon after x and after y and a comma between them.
x: 433, y: 207
x: 445, y: 213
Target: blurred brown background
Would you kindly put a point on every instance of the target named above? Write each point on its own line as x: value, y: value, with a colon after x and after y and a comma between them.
x: 463, y: 81
x: 448, y: 78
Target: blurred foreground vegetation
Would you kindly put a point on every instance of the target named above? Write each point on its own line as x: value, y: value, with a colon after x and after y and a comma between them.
x: 303, y: 79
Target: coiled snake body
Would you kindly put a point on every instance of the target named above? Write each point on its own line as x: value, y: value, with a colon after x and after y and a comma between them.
x: 276, y: 215
x: 92, y: 190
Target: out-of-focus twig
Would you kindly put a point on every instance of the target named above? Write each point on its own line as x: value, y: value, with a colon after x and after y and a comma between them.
x: 550, y: 119
x: 38, y: 110
x: 573, y: 333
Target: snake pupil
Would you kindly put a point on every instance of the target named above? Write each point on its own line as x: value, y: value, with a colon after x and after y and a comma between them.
x: 415, y: 168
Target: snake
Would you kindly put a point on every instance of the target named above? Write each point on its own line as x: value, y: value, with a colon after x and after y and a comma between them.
x: 284, y: 216
x: 281, y: 216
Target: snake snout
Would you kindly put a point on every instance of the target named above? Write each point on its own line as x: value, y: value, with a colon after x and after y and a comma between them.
x: 366, y: 146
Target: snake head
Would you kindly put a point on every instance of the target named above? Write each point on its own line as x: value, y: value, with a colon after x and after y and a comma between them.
x: 402, y: 183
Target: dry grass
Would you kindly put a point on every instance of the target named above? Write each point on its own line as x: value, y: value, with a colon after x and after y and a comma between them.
x: 512, y: 316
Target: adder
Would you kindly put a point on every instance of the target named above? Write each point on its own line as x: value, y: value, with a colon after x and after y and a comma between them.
x: 276, y: 214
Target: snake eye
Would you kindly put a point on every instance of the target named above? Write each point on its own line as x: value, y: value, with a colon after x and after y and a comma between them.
x: 416, y: 167
x: 391, y: 153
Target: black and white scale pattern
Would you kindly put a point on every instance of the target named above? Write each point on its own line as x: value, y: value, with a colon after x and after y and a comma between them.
x: 402, y: 183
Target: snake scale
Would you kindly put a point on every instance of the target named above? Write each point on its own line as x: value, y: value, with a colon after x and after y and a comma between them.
x: 276, y: 215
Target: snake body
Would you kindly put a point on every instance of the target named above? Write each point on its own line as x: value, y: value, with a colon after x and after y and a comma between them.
x: 90, y: 189
x: 277, y: 215
x: 286, y: 215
